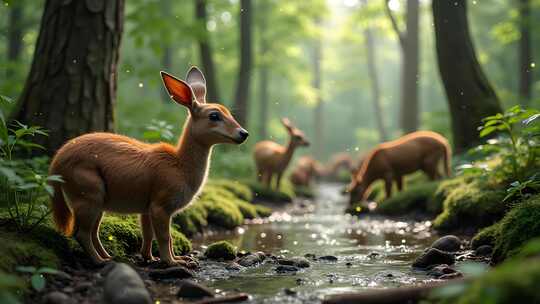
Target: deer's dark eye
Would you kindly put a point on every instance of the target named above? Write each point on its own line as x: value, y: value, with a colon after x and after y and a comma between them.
x: 214, y: 116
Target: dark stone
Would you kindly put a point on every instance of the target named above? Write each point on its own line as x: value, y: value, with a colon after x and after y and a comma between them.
x: 57, y: 297
x: 440, y: 270
x: 233, y: 267
x: 297, y: 261
x: 433, y: 257
x: 124, y: 286
x: 251, y: 260
x: 451, y: 276
x: 192, y: 290
x: 450, y: 243
x: 484, y: 251
x: 177, y: 272
x: 286, y: 268
x: 290, y: 292
x: 373, y: 255
x: 82, y: 287
x: 310, y: 256
x: 348, y: 264
x: 329, y: 258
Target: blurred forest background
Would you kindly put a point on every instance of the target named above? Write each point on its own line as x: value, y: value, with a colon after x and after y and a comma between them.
x: 334, y: 67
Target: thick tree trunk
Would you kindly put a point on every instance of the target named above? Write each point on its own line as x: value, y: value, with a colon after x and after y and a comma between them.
x: 408, y: 40
x: 470, y: 96
x: 374, y: 78
x: 318, y: 117
x: 241, y: 106
x: 263, y: 71
x: 71, y: 87
x: 205, y: 47
x: 525, y: 57
x: 15, y: 35
x: 409, y: 102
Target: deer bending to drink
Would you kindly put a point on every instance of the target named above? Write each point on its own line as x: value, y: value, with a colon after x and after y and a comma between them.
x: 110, y: 172
x: 272, y: 159
x: 306, y: 169
x: 390, y: 161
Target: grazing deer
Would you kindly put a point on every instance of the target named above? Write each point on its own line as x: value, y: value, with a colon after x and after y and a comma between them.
x: 390, y: 161
x: 305, y: 170
x: 272, y: 159
x: 110, y: 172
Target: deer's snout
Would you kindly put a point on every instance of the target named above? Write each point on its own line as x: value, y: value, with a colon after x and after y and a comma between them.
x: 242, y: 135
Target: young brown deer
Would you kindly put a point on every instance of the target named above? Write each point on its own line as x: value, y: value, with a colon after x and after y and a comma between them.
x: 390, y: 161
x: 110, y: 172
x: 272, y: 159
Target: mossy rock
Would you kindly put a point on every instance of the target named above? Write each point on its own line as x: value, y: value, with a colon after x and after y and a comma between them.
x: 262, y: 193
x: 22, y: 250
x: 263, y: 211
x: 181, y: 244
x: 248, y: 210
x: 239, y: 189
x: 221, y: 250
x: 486, y: 236
x: 519, y: 226
x: 514, y: 281
x: 415, y: 198
x: 529, y: 250
x: 471, y: 205
x: 302, y: 191
x: 192, y: 220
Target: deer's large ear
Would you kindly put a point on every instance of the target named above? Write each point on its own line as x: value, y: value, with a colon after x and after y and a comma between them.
x: 196, y: 80
x: 287, y: 123
x: 179, y: 90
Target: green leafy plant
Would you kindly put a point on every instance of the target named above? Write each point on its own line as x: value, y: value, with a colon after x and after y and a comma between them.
x: 523, y: 189
x: 518, y: 143
x: 24, y: 184
x: 37, y: 275
x: 158, y: 130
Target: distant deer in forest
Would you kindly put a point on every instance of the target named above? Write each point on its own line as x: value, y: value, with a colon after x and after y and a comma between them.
x: 390, y: 161
x: 306, y: 169
x: 272, y: 159
x: 110, y: 172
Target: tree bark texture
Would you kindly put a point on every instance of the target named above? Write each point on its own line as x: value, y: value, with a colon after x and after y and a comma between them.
x: 205, y: 48
x: 525, y: 57
x: 264, y: 72
x: 241, y: 104
x: 15, y: 35
x: 71, y: 86
x: 408, y: 40
x: 374, y: 79
x: 469, y: 93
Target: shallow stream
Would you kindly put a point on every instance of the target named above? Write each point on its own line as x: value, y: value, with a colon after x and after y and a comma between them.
x: 371, y: 252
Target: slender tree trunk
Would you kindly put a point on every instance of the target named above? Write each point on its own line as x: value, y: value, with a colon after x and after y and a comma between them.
x: 318, y: 118
x: 470, y: 95
x: 525, y: 57
x: 15, y: 35
x: 241, y: 107
x: 408, y: 40
x: 263, y: 71
x: 205, y: 47
x: 374, y: 78
x: 71, y: 87
x: 166, y: 59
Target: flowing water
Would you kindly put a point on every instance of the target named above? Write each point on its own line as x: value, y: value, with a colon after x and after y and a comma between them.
x: 372, y: 252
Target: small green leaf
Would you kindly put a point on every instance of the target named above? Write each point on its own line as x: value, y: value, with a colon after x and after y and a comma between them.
x: 48, y: 270
x: 27, y: 269
x: 38, y: 282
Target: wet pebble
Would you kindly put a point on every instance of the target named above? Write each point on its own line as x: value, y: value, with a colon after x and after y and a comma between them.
x: 191, y: 290
x: 484, y: 251
x: 124, y: 286
x: 329, y: 258
x: 286, y: 269
x: 451, y: 276
x: 252, y: 259
x: 433, y: 257
x: 450, y: 243
x: 290, y: 292
x: 373, y: 255
x: 310, y: 256
x: 57, y: 297
x: 296, y: 261
x: 440, y: 270
x: 82, y: 287
x: 348, y: 264
x: 234, y: 266
x: 177, y: 272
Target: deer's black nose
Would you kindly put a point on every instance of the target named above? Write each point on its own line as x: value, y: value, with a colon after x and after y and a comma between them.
x: 243, y: 134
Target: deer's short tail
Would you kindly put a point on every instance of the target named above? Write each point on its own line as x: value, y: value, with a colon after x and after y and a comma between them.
x: 62, y: 215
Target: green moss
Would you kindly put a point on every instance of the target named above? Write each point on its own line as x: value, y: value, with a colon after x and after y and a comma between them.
x: 263, y: 211
x: 418, y: 197
x: 192, y: 220
x: 520, y: 225
x: 306, y: 192
x: 262, y: 193
x: 530, y: 249
x: 512, y: 282
x: 10, y: 287
x: 248, y: 210
x: 21, y: 250
x: 221, y: 250
x: 486, y: 236
x: 239, y: 189
x: 471, y: 205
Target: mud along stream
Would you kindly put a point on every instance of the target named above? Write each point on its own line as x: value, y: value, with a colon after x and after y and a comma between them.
x: 371, y: 253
